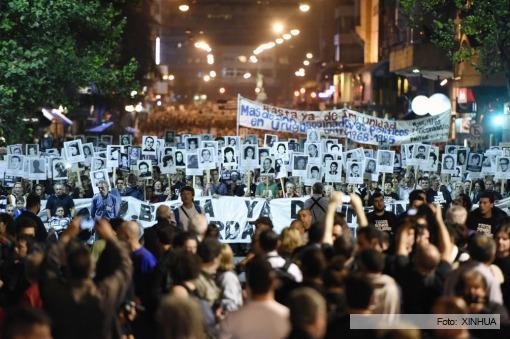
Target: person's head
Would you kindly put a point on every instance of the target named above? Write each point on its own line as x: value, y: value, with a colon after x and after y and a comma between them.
x: 290, y: 239
x: 79, y: 261
x: 266, y: 164
x: 129, y: 232
x: 369, y: 238
x: 102, y: 186
x: 424, y: 183
x: 475, y: 159
x: 15, y: 161
x: 385, y: 157
x: 260, y: 277
x: 456, y: 215
x: 422, y: 149
x: 315, y: 172
x: 185, y: 266
x: 358, y: 293
x: 33, y: 203
x: 25, y: 225
x: 426, y: 258
x: 263, y: 223
x: 186, y: 241
x: 23, y: 246
x: 370, y: 166
x: 327, y: 157
x: 27, y: 323
x: 229, y: 154
x: 482, y: 248
x: 371, y: 261
x: 502, y: 238
x: 301, y: 162
x: 179, y: 157
x: 149, y: 142
x: 417, y: 198
x: 472, y: 286
x: 20, y: 203
x: 306, y: 217
x: 308, y: 312
x: 143, y: 167
x: 486, y: 203
x: 17, y: 189
x: 268, y: 240
x: 378, y: 198
x: 209, y: 251
x: 355, y: 169
x: 163, y: 213
x: 333, y: 167
x: 489, y: 185
x: 318, y: 188
x: 312, y: 150
x: 187, y: 194
x: 206, y: 154
x: 179, y: 317
x: 226, y: 258
x: 281, y: 148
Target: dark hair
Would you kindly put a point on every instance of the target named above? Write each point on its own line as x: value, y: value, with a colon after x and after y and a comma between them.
x: 358, y: 291
x: 79, y: 261
x: 487, y: 195
x: 19, y: 322
x: 481, y: 248
x: 377, y: 194
x: 189, y: 189
x: 344, y: 246
x: 372, y: 261
x: 10, y: 225
x: 116, y: 222
x: 317, y: 188
x: 316, y: 232
x: 24, y: 222
x: 33, y: 200
x: 268, y: 240
x: 416, y: 195
x: 371, y: 233
x: 166, y: 235
x: 181, y: 238
x: 185, y: 266
x: 313, y: 263
x: 314, y: 168
x: 259, y: 275
x: 265, y: 221
x: 209, y: 249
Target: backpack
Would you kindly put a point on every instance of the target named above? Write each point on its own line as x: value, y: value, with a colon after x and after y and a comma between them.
x: 286, y: 282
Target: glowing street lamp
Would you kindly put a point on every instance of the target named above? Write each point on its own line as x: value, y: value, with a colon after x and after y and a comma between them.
x: 306, y: 62
x: 304, y: 7
x: 212, y: 74
x: 309, y: 55
x: 279, y: 41
x: 302, y: 90
x: 207, y: 78
x: 287, y: 36
x: 222, y: 90
x: 247, y: 75
x: 183, y: 7
x: 295, y: 32
x: 278, y: 27
x: 296, y: 93
x: 210, y: 59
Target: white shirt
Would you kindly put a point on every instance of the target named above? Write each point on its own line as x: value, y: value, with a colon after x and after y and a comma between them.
x: 277, y: 261
x: 257, y: 319
x: 183, y: 218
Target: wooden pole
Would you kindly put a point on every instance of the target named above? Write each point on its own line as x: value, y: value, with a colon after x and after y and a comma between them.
x: 383, y: 180
x: 145, y: 190
x: 114, y: 177
x: 283, y: 187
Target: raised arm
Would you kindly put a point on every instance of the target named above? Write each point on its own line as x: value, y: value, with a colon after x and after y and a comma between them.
x: 445, y: 243
x: 329, y: 220
x: 357, y: 205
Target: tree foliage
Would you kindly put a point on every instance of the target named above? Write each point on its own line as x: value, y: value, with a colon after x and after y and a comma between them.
x: 51, y: 48
x: 485, y: 23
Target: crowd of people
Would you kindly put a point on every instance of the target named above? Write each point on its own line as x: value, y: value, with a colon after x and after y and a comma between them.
x: 176, y: 279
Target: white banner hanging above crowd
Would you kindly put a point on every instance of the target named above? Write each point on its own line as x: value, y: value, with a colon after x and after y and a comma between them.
x: 344, y: 123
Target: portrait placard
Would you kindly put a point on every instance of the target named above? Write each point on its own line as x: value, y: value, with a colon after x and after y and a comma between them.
x: 385, y: 161
x: 149, y: 145
x: 73, y: 151
x: 448, y: 164
x: 333, y: 171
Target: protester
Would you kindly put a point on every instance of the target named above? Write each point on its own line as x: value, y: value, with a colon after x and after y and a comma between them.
x: 317, y: 203
x: 188, y: 209
x: 104, y: 204
x: 60, y: 198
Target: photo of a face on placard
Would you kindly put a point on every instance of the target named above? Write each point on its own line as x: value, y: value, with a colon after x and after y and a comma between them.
x: 503, y: 168
x: 397, y: 164
x: 280, y: 149
x: 333, y: 171
x: 457, y: 174
x: 169, y: 137
x: 327, y: 157
x: 250, y: 156
x: 385, y: 160
x: 149, y: 145
x: 313, y: 174
x: 125, y: 140
x: 233, y: 142
x: 192, y: 165
x: 112, y: 156
x: 14, y: 164
x: 251, y: 139
x: 37, y: 169
x: 167, y: 165
x: 474, y: 163
x: 207, y: 158
x: 269, y: 140
x: 462, y: 154
x: 369, y: 153
x: 370, y: 166
x: 267, y: 167
x: 98, y: 163
x: 448, y: 163
x: 293, y: 145
x: 313, y: 150
x: 123, y: 164
x: 58, y: 169
x: 299, y: 164
x: 16, y: 149
x: 107, y: 139
x: 98, y: 176
x: 421, y: 153
x: 313, y: 135
x: 88, y: 152
x: 450, y: 149
x: 191, y: 143
x: 144, y: 168
x: 229, y: 156
x: 180, y: 160
x: 334, y: 149
x: 134, y: 154
x: 74, y: 151
x: 280, y: 169
x: 433, y: 162
x: 354, y: 172
x: 32, y: 150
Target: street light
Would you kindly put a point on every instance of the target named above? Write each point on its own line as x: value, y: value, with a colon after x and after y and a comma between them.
x: 309, y: 55
x: 207, y: 78
x: 295, y: 32
x: 302, y: 90
x: 184, y: 7
x: 304, y: 7
x: 279, y: 41
x: 222, y: 90
x: 296, y: 93
x: 171, y: 77
x: 210, y: 59
x: 306, y: 62
x: 278, y: 27
x: 253, y: 59
x: 212, y: 74
x: 247, y: 75
x: 287, y: 36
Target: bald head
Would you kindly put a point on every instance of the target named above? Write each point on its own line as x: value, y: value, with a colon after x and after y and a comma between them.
x: 129, y: 231
x: 163, y: 213
x: 456, y: 215
x: 427, y: 258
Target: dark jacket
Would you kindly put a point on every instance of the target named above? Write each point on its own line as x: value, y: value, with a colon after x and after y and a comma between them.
x: 40, y: 231
x: 133, y: 192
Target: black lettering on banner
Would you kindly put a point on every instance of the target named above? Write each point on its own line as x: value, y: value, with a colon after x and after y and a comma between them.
x: 248, y: 230
x: 145, y: 212
x: 208, y: 208
x: 220, y: 226
x: 250, y: 206
x: 232, y: 230
x: 294, y: 204
x: 266, y: 210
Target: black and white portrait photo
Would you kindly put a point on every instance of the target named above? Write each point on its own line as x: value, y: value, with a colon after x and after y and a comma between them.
x: 123, y: 164
x: 299, y: 164
x: 313, y: 135
x: 229, y: 155
x: 169, y: 137
x: 251, y: 139
x: 88, y: 152
x: 192, y: 164
x: 125, y: 139
x: 333, y: 171
x: 462, y: 156
x: 450, y: 149
x: 112, y: 156
x: 149, y: 145
x: 180, y: 160
x: 313, y: 174
x: 191, y: 144
x: 96, y: 177
x: 334, y: 149
x: 59, y: 169
x: 144, y: 168
x: 267, y: 167
x: 503, y: 168
x: 98, y: 163
x: 385, y: 161
x: 16, y: 149
x: 269, y: 140
x: 32, y: 150
x: 107, y: 139
x: 448, y: 163
x: 232, y: 142
x: 354, y: 172
x: 313, y: 150
x: 14, y: 164
x: 420, y: 153
x: 250, y: 156
x: 37, y: 169
x: 474, y: 163
x: 134, y: 154
x: 207, y: 158
x: 167, y: 165
x: 370, y: 166
x: 74, y: 151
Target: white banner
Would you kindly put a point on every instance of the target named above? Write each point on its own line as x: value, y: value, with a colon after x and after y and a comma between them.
x: 234, y: 216
x: 356, y: 126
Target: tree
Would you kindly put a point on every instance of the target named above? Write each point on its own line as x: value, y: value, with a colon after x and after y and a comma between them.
x: 485, y: 23
x: 51, y: 49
